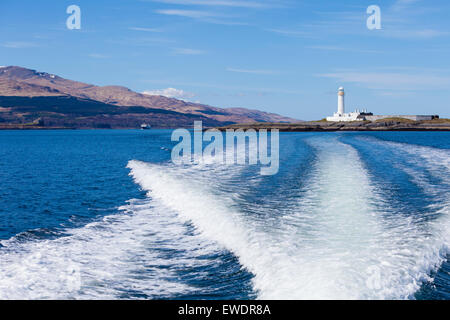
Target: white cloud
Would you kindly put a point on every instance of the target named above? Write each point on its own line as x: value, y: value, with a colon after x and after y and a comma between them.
x: 414, y: 34
x: 212, y: 15
x: 402, y: 4
x: 98, y: 56
x: 392, y: 80
x: 224, y: 3
x: 19, y: 45
x: 187, y: 51
x: 287, y: 32
x: 346, y: 49
x: 251, y: 71
x: 195, y: 14
x: 145, y: 29
x: 171, y: 93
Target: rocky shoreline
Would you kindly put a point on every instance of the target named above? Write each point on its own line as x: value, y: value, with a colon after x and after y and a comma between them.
x: 324, y: 126
x: 31, y: 127
x: 307, y: 126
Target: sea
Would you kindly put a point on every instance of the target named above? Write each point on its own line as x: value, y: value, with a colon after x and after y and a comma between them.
x: 106, y: 214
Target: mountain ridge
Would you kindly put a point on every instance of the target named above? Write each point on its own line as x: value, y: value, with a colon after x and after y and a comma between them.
x: 22, y: 82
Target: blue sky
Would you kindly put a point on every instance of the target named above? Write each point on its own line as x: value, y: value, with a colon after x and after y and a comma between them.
x: 283, y: 56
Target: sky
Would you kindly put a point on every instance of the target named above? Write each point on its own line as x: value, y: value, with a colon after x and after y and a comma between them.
x: 285, y: 56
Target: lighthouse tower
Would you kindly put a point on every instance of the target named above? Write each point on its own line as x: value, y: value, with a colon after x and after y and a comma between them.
x: 341, y: 103
x: 340, y: 115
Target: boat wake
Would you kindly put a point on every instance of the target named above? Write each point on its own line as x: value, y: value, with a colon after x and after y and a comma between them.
x: 138, y: 253
x: 342, y: 240
x: 340, y: 237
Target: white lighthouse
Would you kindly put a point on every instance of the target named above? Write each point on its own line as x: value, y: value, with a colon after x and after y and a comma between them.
x: 341, y: 102
x: 340, y: 115
x: 364, y: 115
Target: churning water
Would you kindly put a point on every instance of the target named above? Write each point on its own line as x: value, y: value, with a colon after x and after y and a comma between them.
x: 105, y: 214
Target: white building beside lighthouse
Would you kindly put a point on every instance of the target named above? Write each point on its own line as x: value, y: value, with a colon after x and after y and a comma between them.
x: 340, y: 115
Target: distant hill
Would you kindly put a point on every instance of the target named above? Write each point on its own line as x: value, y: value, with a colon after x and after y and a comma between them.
x: 27, y: 96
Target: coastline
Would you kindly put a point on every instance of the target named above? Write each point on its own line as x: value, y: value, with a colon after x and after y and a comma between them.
x: 323, y: 126
x: 307, y: 126
x: 31, y: 127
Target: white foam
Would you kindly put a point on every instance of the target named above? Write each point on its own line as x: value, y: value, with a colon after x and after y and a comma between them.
x: 393, y: 254
x: 421, y: 160
x: 339, y: 243
x: 109, y: 259
x: 438, y: 159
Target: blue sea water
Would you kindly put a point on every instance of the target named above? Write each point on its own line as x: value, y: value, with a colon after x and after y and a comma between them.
x: 104, y: 214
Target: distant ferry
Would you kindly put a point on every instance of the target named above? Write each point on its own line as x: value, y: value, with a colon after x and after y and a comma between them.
x: 145, y: 126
